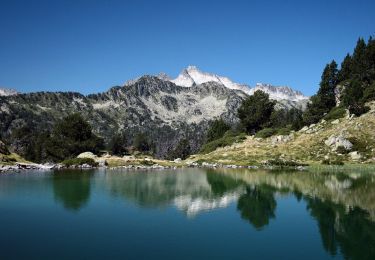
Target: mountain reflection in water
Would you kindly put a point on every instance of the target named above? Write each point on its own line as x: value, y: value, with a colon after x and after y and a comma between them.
x: 340, y: 205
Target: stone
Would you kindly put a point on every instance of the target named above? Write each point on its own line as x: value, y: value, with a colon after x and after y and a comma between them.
x: 178, y: 160
x: 87, y: 155
x: 336, y: 141
x: 335, y: 122
x: 355, y: 156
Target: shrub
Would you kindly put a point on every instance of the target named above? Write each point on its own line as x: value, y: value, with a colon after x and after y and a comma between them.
x: 358, y: 145
x: 80, y: 161
x: 342, y: 150
x: 228, y: 139
x: 335, y: 113
x: 266, y: 132
x: 284, y: 130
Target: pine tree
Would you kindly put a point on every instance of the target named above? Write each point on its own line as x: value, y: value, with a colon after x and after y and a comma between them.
x: 255, y: 111
x: 346, y: 68
x: 328, y: 84
x: 359, y: 60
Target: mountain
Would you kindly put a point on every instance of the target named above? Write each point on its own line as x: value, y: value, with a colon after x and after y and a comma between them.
x: 164, y: 111
x: 193, y: 76
x: 7, y: 92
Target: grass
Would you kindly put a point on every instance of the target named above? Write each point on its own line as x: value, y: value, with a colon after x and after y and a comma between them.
x: 79, y: 161
x: 229, y: 138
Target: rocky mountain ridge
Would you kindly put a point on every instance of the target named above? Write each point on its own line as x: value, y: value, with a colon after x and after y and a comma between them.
x: 162, y: 110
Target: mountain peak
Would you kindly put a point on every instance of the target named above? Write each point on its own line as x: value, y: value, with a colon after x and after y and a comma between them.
x: 192, y: 75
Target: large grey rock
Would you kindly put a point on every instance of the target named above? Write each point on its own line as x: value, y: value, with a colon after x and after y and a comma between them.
x: 338, y: 141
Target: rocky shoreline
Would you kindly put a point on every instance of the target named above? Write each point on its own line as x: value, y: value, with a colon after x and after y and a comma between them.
x: 18, y: 167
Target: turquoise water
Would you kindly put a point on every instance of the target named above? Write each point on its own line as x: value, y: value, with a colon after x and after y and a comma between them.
x: 186, y: 214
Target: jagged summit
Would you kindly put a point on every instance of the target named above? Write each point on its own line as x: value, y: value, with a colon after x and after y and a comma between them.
x: 191, y: 76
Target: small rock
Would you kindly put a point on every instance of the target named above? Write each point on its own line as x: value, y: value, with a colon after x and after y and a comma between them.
x: 335, y: 122
x: 355, y: 156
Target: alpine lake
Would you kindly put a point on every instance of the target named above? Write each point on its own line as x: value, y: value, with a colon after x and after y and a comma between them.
x: 190, y: 213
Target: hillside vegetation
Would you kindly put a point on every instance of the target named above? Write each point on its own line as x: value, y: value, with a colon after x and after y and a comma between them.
x: 307, y: 145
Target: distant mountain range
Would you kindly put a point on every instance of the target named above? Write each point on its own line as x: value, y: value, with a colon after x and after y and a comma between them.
x: 167, y: 110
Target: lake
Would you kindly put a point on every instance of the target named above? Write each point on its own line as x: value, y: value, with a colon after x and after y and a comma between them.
x: 187, y: 214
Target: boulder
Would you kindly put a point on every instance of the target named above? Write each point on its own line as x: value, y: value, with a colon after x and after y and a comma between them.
x: 3, y: 148
x: 355, y: 156
x: 338, y: 141
x: 87, y: 155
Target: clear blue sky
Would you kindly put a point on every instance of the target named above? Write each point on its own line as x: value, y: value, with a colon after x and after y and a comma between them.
x: 89, y: 46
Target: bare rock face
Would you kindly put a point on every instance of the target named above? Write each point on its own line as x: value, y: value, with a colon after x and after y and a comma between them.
x: 338, y: 141
x: 339, y: 90
x: 3, y: 149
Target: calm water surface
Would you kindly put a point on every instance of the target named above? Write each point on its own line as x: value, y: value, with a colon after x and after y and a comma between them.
x: 187, y: 214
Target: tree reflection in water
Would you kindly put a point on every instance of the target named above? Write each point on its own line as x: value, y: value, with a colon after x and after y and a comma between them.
x: 72, y: 189
x: 257, y: 206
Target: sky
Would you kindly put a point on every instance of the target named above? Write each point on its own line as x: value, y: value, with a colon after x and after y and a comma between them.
x: 90, y: 46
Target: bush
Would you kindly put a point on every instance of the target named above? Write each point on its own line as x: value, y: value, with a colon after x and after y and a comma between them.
x: 358, y: 145
x: 342, y: 150
x: 79, y: 161
x: 284, y: 130
x: 335, y: 113
x: 266, y: 132
x: 228, y: 139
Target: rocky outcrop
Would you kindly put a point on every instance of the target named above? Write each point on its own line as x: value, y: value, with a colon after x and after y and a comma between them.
x: 338, y: 141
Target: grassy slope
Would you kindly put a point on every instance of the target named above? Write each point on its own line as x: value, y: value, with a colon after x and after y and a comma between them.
x: 303, y: 147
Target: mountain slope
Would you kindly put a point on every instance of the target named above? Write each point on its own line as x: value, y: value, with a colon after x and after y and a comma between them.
x: 164, y: 111
x: 310, y: 144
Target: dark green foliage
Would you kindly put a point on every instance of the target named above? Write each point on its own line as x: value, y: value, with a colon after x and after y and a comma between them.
x: 182, y: 150
x: 70, y: 137
x: 328, y: 84
x: 255, y: 111
x: 359, y: 61
x: 287, y: 118
x: 335, y: 113
x: 258, y: 206
x: 229, y: 138
x: 346, y: 69
x: 342, y: 150
x: 353, y: 98
x: 118, y: 145
x: 142, y: 143
x: 324, y: 100
x: 369, y: 93
x: 266, y: 132
x: 79, y: 162
x: 217, y: 130
x: 358, y: 145
x: 315, y: 111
